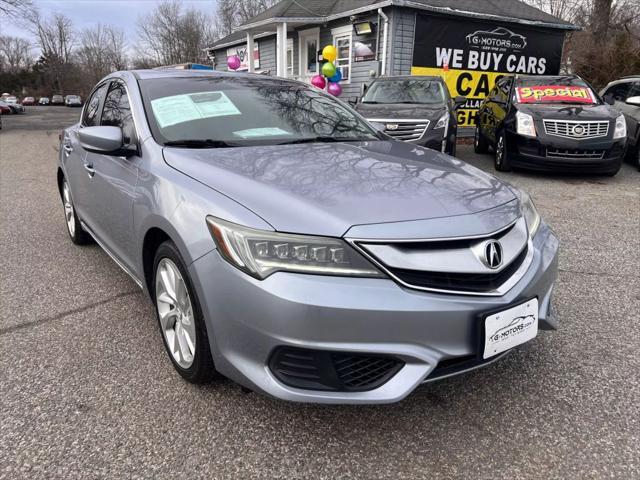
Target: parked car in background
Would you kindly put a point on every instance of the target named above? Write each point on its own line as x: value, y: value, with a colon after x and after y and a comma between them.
x: 4, y: 108
x: 57, y: 100
x: 12, y: 99
x: 550, y: 123
x: 73, y: 101
x: 28, y: 101
x: 413, y: 109
x: 289, y: 245
x: 624, y: 95
x: 13, y: 105
x: 44, y: 101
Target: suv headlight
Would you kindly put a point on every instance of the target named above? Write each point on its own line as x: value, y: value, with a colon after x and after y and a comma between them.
x: 261, y: 253
x: 529, y: 212
x: 621, y: 128
x: 525, y: 125
x: 443, y: 121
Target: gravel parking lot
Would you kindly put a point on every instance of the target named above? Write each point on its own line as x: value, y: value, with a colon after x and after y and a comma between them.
x: 87, y: 390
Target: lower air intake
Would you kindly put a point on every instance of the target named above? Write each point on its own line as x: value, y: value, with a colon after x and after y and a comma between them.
x: 332, y: 371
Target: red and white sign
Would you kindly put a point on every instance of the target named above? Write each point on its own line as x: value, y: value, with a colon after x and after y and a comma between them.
x: 554, y: 93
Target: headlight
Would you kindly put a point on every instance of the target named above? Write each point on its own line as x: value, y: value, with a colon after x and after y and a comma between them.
x: 621, y: 128
x: 529, y: 212
x: 524, y: 124
x: 443, y: 121
x: 261, y: 253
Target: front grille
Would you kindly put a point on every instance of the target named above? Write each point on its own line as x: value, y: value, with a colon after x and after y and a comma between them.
x: 575, y: 153
x: 461, y: 282
x: 405, y: 130
x: 576, y: 129
x: 332, y: 371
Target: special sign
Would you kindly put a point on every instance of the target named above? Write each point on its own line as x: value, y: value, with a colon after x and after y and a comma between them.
x: 554, y: 93
x: 471, y: 55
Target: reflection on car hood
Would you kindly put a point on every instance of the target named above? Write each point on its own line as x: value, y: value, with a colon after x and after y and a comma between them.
x: 569, y: 112
x: 397, y: 111
x: 325, y: 188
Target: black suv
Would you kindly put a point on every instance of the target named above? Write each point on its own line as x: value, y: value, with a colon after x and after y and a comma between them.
x: 550, y: 123
x: 413, y: 109
x: 624, y: 95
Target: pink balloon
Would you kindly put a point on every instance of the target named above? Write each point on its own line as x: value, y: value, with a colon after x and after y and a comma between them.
x: 335, y: 89
x: 233, y: 62
x: 318, y: 81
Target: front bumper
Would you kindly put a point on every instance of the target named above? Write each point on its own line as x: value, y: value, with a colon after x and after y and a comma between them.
x: 551, y: 153
x: 248, y: 319
x: 435, y: 139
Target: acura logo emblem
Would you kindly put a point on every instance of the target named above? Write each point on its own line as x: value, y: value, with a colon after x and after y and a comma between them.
x: 493, y: 254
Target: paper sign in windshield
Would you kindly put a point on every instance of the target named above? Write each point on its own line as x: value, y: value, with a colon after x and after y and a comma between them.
x: 261, y: 132
x: 194, y: 106
x: 554, y: 93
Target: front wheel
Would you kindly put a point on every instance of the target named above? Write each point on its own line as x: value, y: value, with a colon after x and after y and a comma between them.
x: 479, y: 142
x: 180, y: 318
x: 501, y: 159
x: 74, y: 228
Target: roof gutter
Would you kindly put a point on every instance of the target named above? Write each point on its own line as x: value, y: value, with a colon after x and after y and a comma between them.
x: 408, y: 4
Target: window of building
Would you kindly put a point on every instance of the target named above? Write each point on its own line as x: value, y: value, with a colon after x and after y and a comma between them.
x: 342, y: 41
x: 289, y: 57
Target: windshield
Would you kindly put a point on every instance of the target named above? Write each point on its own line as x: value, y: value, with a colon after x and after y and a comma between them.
x: 558, y: 90
x: 235, y: 111
x: 429, y: 92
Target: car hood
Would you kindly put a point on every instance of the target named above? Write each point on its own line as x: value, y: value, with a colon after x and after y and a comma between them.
x: 570, y: 112
x: 326, y: 188
x: 400, y: 111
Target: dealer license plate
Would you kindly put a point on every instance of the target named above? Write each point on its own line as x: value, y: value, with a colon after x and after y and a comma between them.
x: 506, y: 329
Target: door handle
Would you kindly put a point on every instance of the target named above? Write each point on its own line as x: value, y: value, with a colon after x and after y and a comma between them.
x: 67, y: 149
x: 90, y: 170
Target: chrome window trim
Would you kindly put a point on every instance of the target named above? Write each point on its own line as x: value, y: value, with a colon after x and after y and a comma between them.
x: 498, y: 292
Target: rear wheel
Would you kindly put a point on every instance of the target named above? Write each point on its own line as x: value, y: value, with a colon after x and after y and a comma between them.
x: 180, y: 318
x: 501, y: 159
x: 638, y: 155
x: 479, y: 143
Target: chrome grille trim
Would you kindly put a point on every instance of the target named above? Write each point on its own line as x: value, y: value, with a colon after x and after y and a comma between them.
x: 584, y: 154
x: 567, y: 128
x: 498, y: 292
x: 407, y: 129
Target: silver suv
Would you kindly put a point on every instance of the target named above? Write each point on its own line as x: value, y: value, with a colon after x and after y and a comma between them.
x: 624, y: 94
x: 291, y: 247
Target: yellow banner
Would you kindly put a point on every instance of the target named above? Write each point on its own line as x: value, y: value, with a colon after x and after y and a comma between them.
x: 475, y: 85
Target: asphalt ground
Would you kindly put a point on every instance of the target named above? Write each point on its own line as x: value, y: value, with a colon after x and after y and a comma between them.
x: 87, y: 390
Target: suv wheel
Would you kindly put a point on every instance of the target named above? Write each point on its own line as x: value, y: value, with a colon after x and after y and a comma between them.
x: 501, y: 159
x: 74, y: 228
x: 180, y: 318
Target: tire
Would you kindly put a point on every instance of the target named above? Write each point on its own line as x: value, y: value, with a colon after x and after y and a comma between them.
x: 74, y: 228
x: 480, y: 144
x: 501, y: 158
x: 453, y: 146
x: 180, y: 317
x: 638, y: 155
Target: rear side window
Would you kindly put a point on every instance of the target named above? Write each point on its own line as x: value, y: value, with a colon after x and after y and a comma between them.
x: 117, y: 112
x: 91, y: 116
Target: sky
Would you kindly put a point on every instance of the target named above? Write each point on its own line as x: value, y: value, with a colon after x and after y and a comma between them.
x: 87, y: 13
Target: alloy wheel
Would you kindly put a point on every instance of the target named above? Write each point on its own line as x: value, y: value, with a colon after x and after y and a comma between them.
x: 176, y: 313
x: 68, y: 209
x: 500, y: 150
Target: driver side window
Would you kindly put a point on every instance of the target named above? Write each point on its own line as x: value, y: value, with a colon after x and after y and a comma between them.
x: 91, y: 116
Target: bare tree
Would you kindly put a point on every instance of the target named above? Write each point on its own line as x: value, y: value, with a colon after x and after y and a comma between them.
x: 171, y: 35
x: 232, y: 13
x: 102, y: 49
x: 15, y: 53
x: 13, y: 8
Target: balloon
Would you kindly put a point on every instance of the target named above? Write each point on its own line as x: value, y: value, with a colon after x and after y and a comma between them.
x: 337, y: 77
x: 329, y: 53
x: 233, y: 62
x: 335, y: 89
x: 328, y: 69
x: 318, y: 81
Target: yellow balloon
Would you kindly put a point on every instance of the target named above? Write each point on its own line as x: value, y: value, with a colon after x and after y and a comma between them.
x: 329, y: 53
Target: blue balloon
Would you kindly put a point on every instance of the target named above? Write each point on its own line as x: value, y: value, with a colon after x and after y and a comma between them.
x: 337, y: 77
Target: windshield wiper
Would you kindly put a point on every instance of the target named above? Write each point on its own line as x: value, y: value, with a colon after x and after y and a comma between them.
x: 321, y: 139
x: 199, y: 143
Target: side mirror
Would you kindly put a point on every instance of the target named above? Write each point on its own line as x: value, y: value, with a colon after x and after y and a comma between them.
x: 104, y: 140
x: 635, y: 101
x: 459, y: 101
